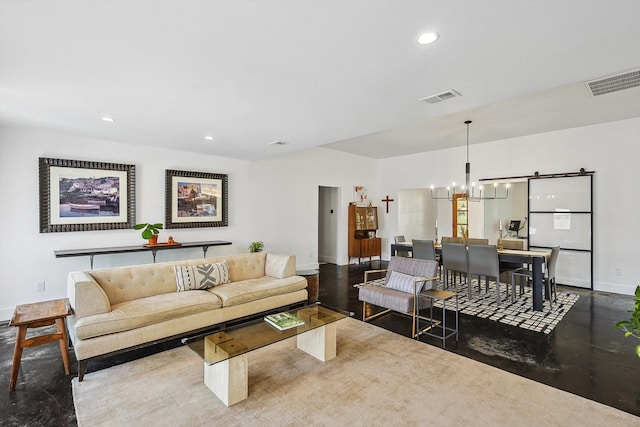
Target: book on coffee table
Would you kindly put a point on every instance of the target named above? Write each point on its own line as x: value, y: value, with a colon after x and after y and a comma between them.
x: 283, y: 321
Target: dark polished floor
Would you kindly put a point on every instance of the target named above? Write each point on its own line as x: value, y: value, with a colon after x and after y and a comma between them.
x: 583, y: 355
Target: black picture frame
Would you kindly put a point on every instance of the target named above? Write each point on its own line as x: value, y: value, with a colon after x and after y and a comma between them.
x: 81, y: 195
x: 196, y: 199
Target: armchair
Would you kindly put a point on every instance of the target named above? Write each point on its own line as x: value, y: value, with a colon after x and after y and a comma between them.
x: 405, y: 279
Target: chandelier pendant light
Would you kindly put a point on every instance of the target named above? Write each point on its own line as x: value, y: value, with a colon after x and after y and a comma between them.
x: 469, y: 189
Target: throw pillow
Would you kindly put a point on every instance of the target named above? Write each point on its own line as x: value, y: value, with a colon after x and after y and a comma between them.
x: 203, y: 276
x: 402, y: 282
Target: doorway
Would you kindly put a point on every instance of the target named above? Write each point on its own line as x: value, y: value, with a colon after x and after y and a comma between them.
x: 328, y: 224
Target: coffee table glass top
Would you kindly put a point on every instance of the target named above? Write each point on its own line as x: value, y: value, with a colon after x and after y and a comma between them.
x: 251, y: 335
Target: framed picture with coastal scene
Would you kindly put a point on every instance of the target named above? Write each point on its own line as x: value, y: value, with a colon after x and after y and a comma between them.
x: 79, y: 195
x: 196, y: 199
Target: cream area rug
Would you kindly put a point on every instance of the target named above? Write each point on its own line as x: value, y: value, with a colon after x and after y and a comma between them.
x: 377, y: 378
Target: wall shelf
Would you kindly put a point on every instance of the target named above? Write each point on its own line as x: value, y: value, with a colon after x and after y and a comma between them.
x: 92, y: 252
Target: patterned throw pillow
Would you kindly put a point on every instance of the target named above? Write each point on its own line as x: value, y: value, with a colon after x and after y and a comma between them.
x: 203, y: 276
x: 402, y: 282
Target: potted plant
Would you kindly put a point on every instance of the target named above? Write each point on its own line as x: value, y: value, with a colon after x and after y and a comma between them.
x: 631, y: 327
x: 256, y: 246
x: 149, y: 231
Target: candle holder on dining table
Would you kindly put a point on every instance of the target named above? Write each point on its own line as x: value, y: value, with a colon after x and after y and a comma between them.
x: 436, y: 239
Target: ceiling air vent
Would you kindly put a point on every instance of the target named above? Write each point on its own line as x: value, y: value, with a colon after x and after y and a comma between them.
x: 614, y: 83
x: 439, y: 97
x: 279, y: 142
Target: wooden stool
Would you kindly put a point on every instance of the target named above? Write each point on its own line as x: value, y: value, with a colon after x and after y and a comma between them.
x: 36, y: 315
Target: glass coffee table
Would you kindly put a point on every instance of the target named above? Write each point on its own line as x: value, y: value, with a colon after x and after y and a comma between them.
x: 225, y: 353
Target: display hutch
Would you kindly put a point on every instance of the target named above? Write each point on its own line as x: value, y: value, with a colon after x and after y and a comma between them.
x: 460, y: 215
x: 363, y: 225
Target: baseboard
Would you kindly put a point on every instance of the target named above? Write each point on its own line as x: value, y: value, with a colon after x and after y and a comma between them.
x: 328, y: 259
x: 615, y: 288
x: 308, y: 266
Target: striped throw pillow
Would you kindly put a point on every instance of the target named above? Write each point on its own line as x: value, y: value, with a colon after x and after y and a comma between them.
x: 402, y: 282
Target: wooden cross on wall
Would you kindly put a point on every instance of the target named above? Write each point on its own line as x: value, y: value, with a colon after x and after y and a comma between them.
x: 387, y: 200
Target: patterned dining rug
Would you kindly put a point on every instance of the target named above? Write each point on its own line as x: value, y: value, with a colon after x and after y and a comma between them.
x: 377, y: 378
x: 519, y: 313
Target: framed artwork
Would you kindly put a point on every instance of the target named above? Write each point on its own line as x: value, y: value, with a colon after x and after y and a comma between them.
x: 360, y: 195
x: 78, y: 195
x: 196, y: 199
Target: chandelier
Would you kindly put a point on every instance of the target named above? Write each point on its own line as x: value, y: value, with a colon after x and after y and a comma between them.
x: 469, y: 188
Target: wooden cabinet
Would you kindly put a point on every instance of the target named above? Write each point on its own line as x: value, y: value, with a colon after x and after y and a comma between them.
x: 363, y: 225
x: 460, y: 215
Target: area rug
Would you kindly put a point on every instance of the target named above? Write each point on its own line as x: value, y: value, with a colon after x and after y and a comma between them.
x: 377, y: 378
x: 519, y: 313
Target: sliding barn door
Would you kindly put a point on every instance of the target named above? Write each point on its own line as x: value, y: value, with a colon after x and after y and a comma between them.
x: 561, y: 214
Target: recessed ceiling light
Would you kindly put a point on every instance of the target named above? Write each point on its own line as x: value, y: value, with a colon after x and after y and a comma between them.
x: 428, y: 38
x: 208, y: 138
x: 108, y: 119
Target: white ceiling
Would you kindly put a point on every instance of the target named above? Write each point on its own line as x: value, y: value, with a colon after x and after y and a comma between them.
x: 344, y: 74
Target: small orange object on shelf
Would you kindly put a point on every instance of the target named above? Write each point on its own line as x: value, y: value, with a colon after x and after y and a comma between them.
x: 169, y: 242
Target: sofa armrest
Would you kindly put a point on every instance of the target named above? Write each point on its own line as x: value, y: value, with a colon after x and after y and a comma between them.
x: 280, y: 266
x: 85, y: 295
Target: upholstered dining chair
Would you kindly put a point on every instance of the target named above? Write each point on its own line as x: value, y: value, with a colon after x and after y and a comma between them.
x: 475, y: 241
x: 423, y: 249
x: 454, y: 260
x: 549, y: 275
x: 446, y: 239
x: 517, y: 245
x: 484, y: 261
x: 401, y: 239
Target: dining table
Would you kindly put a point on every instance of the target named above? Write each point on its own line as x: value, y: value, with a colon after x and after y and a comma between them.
x: 536, y: 259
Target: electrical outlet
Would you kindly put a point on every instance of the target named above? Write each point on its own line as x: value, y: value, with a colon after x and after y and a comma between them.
x: 40, y: 286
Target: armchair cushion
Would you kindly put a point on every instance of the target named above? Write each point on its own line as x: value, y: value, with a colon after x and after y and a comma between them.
x: 402, y: 282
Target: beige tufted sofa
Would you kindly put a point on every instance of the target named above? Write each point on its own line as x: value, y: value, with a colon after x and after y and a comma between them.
x: 117, y: 309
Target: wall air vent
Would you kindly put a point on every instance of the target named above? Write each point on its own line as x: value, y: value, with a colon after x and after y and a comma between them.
x: 439, y: 97
x: 614, y: 83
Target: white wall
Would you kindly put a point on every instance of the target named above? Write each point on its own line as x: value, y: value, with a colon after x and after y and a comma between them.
x: 610, y: 149
x: 276, y: 200
x: 287, y: 187
x: 273, y: 200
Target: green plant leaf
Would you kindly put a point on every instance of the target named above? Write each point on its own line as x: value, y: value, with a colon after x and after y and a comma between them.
x: 139, y: 226
x: 638, y: 350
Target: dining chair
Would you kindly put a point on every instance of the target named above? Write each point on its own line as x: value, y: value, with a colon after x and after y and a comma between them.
x: 549, y: 278
x: 475, y: 241
x: 423, y: 249
x: 401, y: 239
x: 484, y: 261
x: 451, y: 240
x: 454, y: 260
x: 517, y: 245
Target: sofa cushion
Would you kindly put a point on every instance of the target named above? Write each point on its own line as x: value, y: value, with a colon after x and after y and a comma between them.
x: 146, y: 311
x: 202, y: 276
x: 236, y: 293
